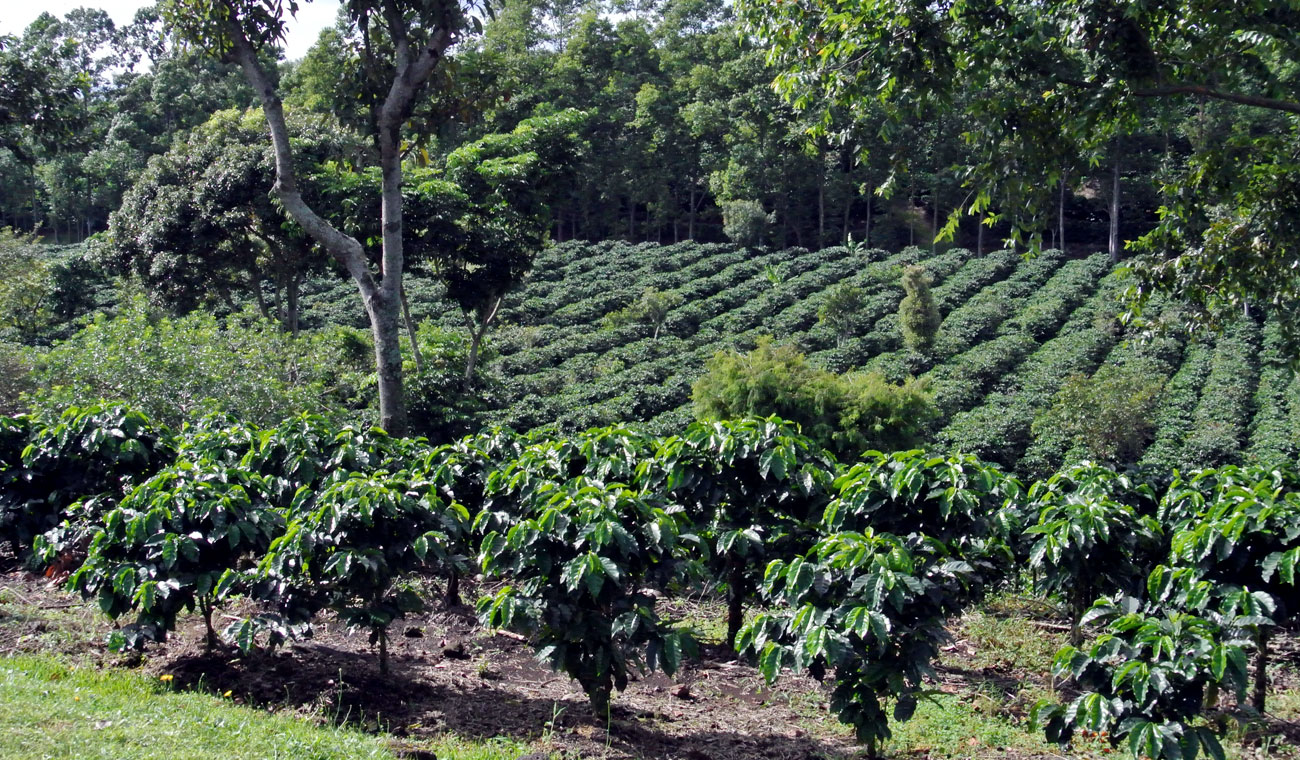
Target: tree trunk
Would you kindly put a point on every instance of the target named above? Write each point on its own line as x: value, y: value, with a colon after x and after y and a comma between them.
x: 210, y: 633
x: 412, y: 68
x: 257, y: 292
x: 866, y: 228
x: 382, y: 635
x: 979, y: 236
x: 934, y: 219
x: 1060, y: 214
x: 385, y: 328
x: 410, y: 332
x: 277, y: 301
x: 690, y: 218
x: 735, y: 599
x: 821, y: 212
x: 452, y: 598
x: 477, y: 332
x: 1080, y: 599
x: 1258, y: 699
x: 291, y: 299
x: 848, y: 212
x: 1114, y: 209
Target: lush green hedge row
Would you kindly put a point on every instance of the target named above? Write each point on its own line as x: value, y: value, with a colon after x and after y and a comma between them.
x: 963, y: 380
x: 1006, y: 318
x: 1273, y: 436
x: 856, y: 568
x: 1174, y: 419
x: 1015, y: 329
x: 999, y: 429
x: 1226, y: 406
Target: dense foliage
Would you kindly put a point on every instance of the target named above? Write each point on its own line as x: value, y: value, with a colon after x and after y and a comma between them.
x: 858, y: 568
x: 848, y: 414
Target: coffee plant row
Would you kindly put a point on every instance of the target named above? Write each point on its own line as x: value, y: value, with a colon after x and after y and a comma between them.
x: 1015, y: 331
x: 852, y: 571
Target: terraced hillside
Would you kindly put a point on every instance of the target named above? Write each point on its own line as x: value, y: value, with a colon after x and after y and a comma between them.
x: 1014, y: 331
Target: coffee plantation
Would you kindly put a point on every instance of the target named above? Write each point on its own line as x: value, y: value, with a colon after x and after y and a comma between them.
x: 854, y: 570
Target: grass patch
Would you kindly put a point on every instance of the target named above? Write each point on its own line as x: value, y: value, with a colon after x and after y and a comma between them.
x: 1285, y: 705
x: 53, y: 622
x: 51, y: 709
x: 951, y: 726
x: 1010, y: 643
x: 457, y: 748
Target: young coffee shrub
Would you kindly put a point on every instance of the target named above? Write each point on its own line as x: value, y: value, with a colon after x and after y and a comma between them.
x: 918, y: 313
x: 582, y: 559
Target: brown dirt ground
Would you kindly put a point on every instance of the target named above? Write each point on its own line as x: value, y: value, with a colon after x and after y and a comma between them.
x: 449, y: 675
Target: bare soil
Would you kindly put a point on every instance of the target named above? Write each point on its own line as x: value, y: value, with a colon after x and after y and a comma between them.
x: 450, y: 675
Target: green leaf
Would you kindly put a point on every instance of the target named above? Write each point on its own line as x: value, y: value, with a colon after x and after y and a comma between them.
x: 124, y: 582
x: 769, y: 662
x: 245, y: 635
x: 146, y: 595
x: 672, y: 652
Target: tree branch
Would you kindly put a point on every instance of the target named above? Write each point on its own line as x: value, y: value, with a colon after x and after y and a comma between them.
x: 409, y: 77
x: 344, y: 248
x: 1205, y: 91
x: 1256, y: 101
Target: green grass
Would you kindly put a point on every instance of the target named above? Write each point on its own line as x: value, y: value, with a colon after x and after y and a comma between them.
x: 54, y: 622
x: 968, y: 726
x: 49, y: 709
x: 1010, y: 644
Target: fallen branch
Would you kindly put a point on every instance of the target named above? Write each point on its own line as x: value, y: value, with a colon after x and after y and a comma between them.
x: 1051, y: 626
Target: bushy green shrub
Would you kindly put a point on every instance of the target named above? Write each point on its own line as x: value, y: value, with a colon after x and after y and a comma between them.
x: 15, y: 376
x: 177, y: 369
x: 841, y: 310
x: 441, y: 406
x: 918, y: 314
x: 584, y: 558
x: 26, y: 286
x: 1110, y: 414
x: 848, y: 414
x: 651, y: 308
x: 745, y: 223
x: 50, y: 462
x: 174, y: 544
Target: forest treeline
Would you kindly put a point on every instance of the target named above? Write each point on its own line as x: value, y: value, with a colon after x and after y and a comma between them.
x: 683, y: 122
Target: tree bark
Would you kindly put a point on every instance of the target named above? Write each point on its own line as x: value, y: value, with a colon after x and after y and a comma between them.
x: 844, y: 220
x: 1258, y: 699
x: 821, y: 211
x: 476, y: 339
x: 291, y: 300
x: 690, y: 219
x: 866, y: 228
x: 410, y: 332
x: 257, y: 293
x: 452, y: 598
x: 412, y: 69
x: 1114, y: 209
x: 735, y: 599
x: 934, y: 219
x: 1060, y: 214
x: 209, y: 633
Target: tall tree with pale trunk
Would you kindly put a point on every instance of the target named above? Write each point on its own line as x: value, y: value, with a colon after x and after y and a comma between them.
x: 401, y: 44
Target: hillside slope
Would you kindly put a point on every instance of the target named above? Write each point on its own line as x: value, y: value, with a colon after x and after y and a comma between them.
x: 1014, y: 330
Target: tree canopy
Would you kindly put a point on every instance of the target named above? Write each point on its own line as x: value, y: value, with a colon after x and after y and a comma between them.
x: 1046, y: 86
